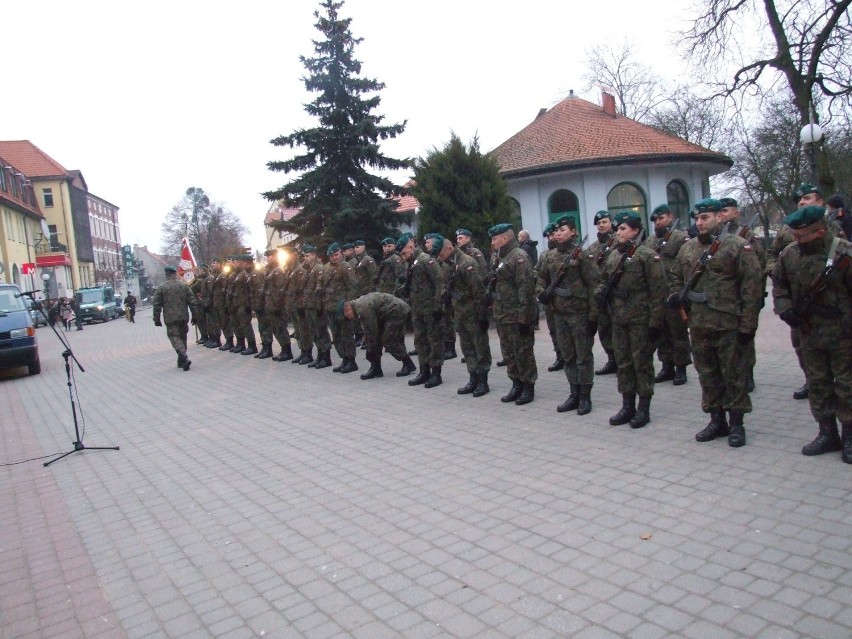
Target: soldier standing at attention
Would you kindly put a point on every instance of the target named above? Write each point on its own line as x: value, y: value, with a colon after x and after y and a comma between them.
x: 550, y: 236
x: 391, y: 268
x: 425, y: 281
x: 275, y: 303
x: 197, y: 289
x: 213, y: 329
x: 723, y: 304
x: 566, y: 284
x: 296, y: 288
x: 365, y: 270
x: 812, y: 291
x: 466, y: 245
x: 316, y: 320
x: 174, y: 300
x: 220, y: 303
x: 673, y: 345
x: 257, y: 286
x: 242, y: 303
x: 633, y: 290
x: 239, y: 335
x: 466, y: 290
x: 514, y: 307
x: 383, y: 317
x: 349, y: 254
x: 598, y: 252
x: 336, y: 285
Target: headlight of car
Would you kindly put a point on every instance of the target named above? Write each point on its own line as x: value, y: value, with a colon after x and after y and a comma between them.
x: 18, y: 333
x: 100, y: 307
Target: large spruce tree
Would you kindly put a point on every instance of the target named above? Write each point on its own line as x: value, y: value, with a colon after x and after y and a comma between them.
x: 339, y: 197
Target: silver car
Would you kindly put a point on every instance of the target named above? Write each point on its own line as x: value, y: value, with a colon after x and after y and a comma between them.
x: 39, y: 318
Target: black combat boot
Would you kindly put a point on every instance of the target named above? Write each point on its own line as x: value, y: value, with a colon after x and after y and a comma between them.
x: 628, y: 410
x: 827, y: 441
x: 750, y: 383
x: 846, y: 438
x: 308, y: 357
x: 228, y: 345
x: 558, y: 365
x: 527, y: 394
x: 286, y: 353
x: 572, y: 402
x: 802, y: 393
x: 585, y: 406
x: 450, y: 350
x: 239, y: 347
x: 471, y: 385
x: 349, y: 366
x: 251, y: 350
x: 435, y: 379
x: 666, y: 374
x: 609, y: 368
x: 186, y: 363
x: 737, y: 436
x: 514, y: 392
x: 180, y: 360
x: 421, y: 377
x: 265, y: 352
x: 679, y: 376
x: 375, y: 369
x: 408, y: 367
x: 214, y: 342
x: 323, y: 360
x: 643, y: 413
x: 482, y: 385
x: 718, y: 426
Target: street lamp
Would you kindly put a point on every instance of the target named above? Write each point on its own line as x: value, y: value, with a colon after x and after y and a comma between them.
x: 810, y: 136
x: 45, y: 277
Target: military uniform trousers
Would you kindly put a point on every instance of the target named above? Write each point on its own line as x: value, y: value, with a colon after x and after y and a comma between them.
x: 278, y: 320
x: 449, y: 324
x: 517, y: 352
x: 828, y: 368
x: 301, y: 330
x: 474, y: 341
x: 391, y: 336
x: 264, y: 327
x: 236, y: 326
x: 213, y: 329
x: 428, y: 338
x: 177, y: 332
x: 634, y: 357
x: 575, y: 345
x: 247, y: 330
x: 673, y: 346
x: 317, y: 323
x: 605, y: 331
x: 202, y: 326
x: 225, y: 323
x: 719, y: 361
x: 341, y: 334
x: 551, y: 327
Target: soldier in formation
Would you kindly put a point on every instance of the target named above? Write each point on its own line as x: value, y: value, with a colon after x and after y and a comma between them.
x: 599, y: 250
x: 550, y: 235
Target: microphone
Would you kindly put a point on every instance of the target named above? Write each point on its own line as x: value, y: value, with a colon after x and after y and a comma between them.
x: 27, y: 293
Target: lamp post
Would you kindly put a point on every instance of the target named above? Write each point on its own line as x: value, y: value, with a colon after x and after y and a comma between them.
x: 45, y: 277
x: 810, y: 136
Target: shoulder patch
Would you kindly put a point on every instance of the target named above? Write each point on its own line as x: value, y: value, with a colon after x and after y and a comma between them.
x: 656, y: 257
x: 747, y: 247
x: 469, y: 268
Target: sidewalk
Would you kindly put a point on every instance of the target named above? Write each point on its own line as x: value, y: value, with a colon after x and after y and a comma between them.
x: 254, y: 498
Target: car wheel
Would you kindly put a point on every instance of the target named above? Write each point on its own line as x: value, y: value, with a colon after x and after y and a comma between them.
x: 34, y: 366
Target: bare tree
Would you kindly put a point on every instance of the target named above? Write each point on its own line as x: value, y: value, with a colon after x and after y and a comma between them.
x: 638, y: 91
x: 212, y: 229
x: 698, y: 120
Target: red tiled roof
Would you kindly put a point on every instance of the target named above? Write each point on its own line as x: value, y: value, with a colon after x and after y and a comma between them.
x: 576, y: 133
x: 31, y: 160
x: 406, y: 204
x: 278, y: 212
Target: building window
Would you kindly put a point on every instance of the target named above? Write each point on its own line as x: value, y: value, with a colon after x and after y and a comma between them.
x: 628, y: 197
x: 47, y: 195
x: 564, y: 202
x: 678, y: 201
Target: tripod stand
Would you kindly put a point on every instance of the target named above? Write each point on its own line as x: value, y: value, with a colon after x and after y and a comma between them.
x: 67, y: 355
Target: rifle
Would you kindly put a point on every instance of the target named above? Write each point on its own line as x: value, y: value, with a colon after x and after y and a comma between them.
x: 697, y: 270
x: 748, y: 228
x: 804, y: 306
x: 615, y: 277
x: 604, y: 251
x: 661, y: 242
x: 547, y: 295
x: 484, y: 304
x: 450, y: 287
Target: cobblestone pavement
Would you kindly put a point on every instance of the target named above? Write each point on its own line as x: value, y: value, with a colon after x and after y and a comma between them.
x: 254, y: 498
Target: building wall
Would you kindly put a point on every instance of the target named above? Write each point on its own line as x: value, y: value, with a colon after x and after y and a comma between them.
x: 17, y: 247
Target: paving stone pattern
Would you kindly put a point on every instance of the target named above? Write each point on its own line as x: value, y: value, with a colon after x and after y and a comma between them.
x: 254, y: 498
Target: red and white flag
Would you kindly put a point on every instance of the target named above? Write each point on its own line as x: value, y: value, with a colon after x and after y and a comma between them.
x: 186, y: 268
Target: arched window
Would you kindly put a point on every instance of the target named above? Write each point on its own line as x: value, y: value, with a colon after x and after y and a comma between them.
x: 564, y: 201
x: 515, y: 219
x: 628, y: 197
x: 678, y: 200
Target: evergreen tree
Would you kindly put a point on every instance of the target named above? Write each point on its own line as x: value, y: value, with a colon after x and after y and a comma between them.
x: 459, y: 187
x: 338, y: 196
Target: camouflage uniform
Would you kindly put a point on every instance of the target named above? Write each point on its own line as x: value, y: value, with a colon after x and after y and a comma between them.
x: 296, y: 282
x: 316, y: 318
x: 448, y: 323
x: 426, y: 287
x: 174, y: 300
x: 365, y: 274
x: 275, y: 304
x: 559, y: 364
x: 239, y: 333
x: 389, y: 273
x: 257, y: 290
x: 241, y: 295
x: 220, y: 308
x: 470, y: 250
x: 466, y: 290
x: 826, y: 333
x: 597, y: 253
x: 336, y: 284
x: 207, y: 301
x: 197, y: 289
x: 383, y: 317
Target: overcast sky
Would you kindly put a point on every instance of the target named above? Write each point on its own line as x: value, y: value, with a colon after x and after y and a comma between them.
x: 150, y: 98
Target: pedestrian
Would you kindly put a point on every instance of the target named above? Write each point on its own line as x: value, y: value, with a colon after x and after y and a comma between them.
x: 78, y: 316
x: 67, y: 314
x: 717, y: 284
x: 812, y: 292
x: 514, y: 308
x: 174, y: 301
x: 528, y: 246
x: 130, y: 306
x: 383, y: 317
x: 633, y: 290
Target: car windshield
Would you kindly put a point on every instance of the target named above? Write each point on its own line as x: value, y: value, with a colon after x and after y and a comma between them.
x: 8, y: 301
x: 89, y: 297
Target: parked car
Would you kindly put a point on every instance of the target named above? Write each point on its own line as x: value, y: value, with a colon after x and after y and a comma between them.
x: 18, y: 345
x: 119, y: 306
x: 96, y: 303
x: 39, y: 318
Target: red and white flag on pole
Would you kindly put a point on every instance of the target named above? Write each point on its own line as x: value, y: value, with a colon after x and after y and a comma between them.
x: 186, y: 268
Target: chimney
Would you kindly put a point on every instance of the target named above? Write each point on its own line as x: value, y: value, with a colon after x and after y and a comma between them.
x: 541, y: 112
x: 608, y: 102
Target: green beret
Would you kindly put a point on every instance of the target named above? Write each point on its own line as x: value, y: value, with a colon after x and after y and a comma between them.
x: 170, y: 269
x: 662, y: 208
x: 601, y: 215
x: 437, y: 244
x: 464, y: 232
x: 246, y: 258
x: 403, y: 241
x: 334, y: 247
x: 429, y: 236
x: 565, y: 220
x: 804, y: 217
x: 269, y: 252
x: 549, y: 229
x: 388, y: 240
x: 359, y: 243
x: 347, y: 246
x: 499, y: 229
x: 805, y: 189
x: 707, y: 205
x: 308, y: 248
x: 631, y: 218
x: 727, y: 202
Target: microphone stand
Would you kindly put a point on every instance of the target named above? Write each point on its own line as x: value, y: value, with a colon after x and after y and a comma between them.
x: 67, y: 355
